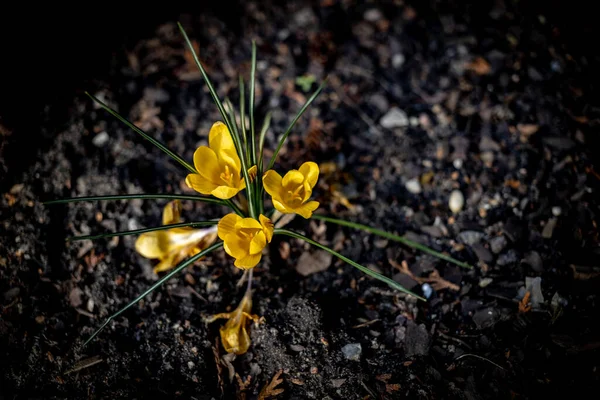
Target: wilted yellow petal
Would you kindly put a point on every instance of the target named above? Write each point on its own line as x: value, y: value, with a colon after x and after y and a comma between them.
x: 172, y: 212
x: 226, y: 225
x: 166, y: 264
x: 153, y: 244
x: 252, y: 172
x: 310, y: 171
x: 267, y: 227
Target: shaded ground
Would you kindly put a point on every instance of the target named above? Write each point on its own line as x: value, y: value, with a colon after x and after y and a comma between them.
x: 490, y: 101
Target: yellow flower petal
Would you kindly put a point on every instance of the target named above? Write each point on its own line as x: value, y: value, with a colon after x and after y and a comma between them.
x: 226, y: 225
x: 258, y: 243
x: 282, y: 207
x: 267, y: 227
x: 272, y: 183
x: 310, y: 170
x: 292, y: 179
x: 250, y: 261
x: 306, y: 210
x: 199, y: 184
x: 207, y: 164
x: 248, y: 223
x: 220, y: 140
x: 225, y: 192
x: 235, y: 246
x: 172, y: 213
x: 166, y: 264
x: 152, y: 244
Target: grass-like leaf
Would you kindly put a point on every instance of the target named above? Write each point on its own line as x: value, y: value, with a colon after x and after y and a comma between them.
x: 159, y: 283
x: 144, y: 135
x: 395, y: 238
x: 209, y: 84
x: 243, y: 111
x: 261, y: 140
x: 252, y: 94
x: 138, y: 196
x: 219, y: 105
x: 235, y: 133
x: 289, y: 129
x: 376, y: 275
x: 144, y: 230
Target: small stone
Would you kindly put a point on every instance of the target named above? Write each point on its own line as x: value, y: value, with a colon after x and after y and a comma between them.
x: 101, y: 139
x: 394, y: 118
x: 457, y: 163
x: 482, y: 253
x: 508, y: 258
x: 549, y: 228
x: 337, y: 383
x: 191, y: 365
x: 470, y: 237
x: 413, y: 186
x: 427, y: 290
x: 352, y: 351
x: 310, y: 263
x: 485, y: 318
x: 498, y: 244
x: 556, y: 211
x: 484, y: 282
x: 398, y: 60
x: 373, y: 15
x: 416, y: 342
x: 534, y: 260
x: 456, y: 201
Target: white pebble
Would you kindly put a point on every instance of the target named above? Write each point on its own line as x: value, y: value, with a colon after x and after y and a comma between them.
x: 100, y: 139
x: 556, y: 211
x: 413, y: 186
x: 456, y: 201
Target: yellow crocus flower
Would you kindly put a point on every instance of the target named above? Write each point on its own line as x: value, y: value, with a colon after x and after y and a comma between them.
x: 173, y: 245
x: 234, y: 334
x: 245, y: 238
x: 218, y: 165
x: 290, y: 194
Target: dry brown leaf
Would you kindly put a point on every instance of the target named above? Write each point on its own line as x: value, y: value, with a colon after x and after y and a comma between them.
x: 217, y: 357
x: 271, y: 389
x: 524, y: 305
x: 480, y: 66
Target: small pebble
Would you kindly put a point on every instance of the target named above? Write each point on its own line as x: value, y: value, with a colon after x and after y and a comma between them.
x: 456, y: 201
x: 191, y: 365
x: 101, y: 139
x: 352, y: 351
x: 485, y: 282
x: 556, y: 211
x: 427, y: 290
x: 398, y: 60
x: 458, y: 163
x: 394, y: 118
x: 497, y: 244
x: 413, y: 186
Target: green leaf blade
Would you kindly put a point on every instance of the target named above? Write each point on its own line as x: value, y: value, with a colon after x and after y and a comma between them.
x: 393, y: 237
x: 367, y: 271
x: 149, y: 138
x: 197, y: 224
x: 291, y: 126
x: 137, y: 197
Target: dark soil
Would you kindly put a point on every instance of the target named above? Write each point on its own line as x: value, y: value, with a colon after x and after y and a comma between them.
x: 496, y: 101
